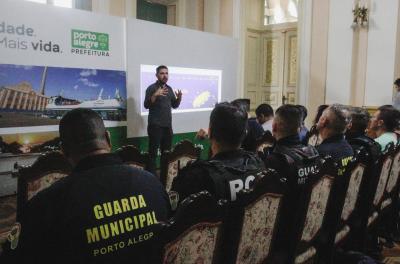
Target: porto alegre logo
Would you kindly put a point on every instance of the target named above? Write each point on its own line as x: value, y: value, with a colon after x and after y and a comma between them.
x: 89, y: 43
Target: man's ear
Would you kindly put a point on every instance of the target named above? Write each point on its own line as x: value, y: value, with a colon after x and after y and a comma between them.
x: 108, y: 138
x: 209, y: 132
x: 380, y: 123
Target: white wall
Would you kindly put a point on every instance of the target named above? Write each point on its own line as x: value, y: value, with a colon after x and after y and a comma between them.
x: 340, y: 46
x: 382, y: 37
x: 155, y: 44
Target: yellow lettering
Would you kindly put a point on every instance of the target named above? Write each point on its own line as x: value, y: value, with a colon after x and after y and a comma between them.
x: 136, y: 222
x: 149, y: 219
x: 134, y: 204
x: 128, y: 224
x: 110, y: 249
x: 121, y: 226
x: 108, y: 209
x: 154, y: 218
x: 117, y: 208
x: 142, y: 218
x: 130, y: 242
x: 125, y: 205
x: 142, y: 203
x: 104, y: 232
x: 114, y: 229
x: 98, y: 213
x: 95, y: 252
x: 92, y: 235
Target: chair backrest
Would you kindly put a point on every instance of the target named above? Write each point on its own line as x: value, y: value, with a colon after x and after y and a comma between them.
x: 172, y: 162
x: 384, y: 165
x: 392, y: 183
x: 252, y: 221
x: 266, y: 141
x: 132, y: 156
x: 46, y: 170
x: 313, y: 212
x: 193, y: 235
x: 356, y: 174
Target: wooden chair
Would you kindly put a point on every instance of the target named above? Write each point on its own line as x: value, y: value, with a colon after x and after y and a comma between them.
x: 266, y: 141
x: 391, y: 189
x: 193, y: 235
x: 132, y: 156
x: 356, y: 175
x: 252, y: 222
x: 384, y: 165
x: 310, y: 223
x: 172, y: 162
x: 46, y: 170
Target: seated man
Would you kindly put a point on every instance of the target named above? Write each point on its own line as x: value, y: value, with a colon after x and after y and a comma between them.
x: 289, y: 157
x: 356, y: 135
x: 331, y: 127
x: 254, y: 129
x: 265, y: 116
x: 104, y: 212
x: 383, y: 123
x: 303, y: 129
x: 230, y: 169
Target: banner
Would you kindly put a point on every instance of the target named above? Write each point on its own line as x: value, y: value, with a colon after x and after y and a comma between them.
x: 53, y: 60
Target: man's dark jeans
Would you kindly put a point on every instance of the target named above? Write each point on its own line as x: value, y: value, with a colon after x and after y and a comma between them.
x: 159, y: 137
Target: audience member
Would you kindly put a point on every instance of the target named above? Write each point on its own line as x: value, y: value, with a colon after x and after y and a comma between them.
x: 312, y: 136
x: 396, y: 99
x: 289, y: 157
x: 383, y: 123
x: 332, y: 127
x: 254, y: 129
x: 230, y: 169
x: 265, y: 116
x: 87, y: 216
x: 356, y: 134
x: 303, y: 129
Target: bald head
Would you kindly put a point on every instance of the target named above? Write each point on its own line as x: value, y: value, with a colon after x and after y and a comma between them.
x: 82, y: 133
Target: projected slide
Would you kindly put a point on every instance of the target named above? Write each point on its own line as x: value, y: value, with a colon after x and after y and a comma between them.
x: 201, y: 88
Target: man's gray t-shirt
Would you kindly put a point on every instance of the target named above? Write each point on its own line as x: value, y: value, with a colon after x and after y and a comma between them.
x: 160, y: 110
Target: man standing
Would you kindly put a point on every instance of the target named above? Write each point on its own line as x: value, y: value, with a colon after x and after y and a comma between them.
x: 159, y: 99
x: 396, y: 99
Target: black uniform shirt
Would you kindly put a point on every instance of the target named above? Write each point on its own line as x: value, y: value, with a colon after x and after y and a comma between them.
x: 104, y: 212
x: 338, y: 148
x: 304, y: 160
x: 160, y: 110
x: 202, y: 175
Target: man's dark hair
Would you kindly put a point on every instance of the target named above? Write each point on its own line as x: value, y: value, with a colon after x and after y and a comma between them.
x: 359, y: 119
x: 339, y: 118
x: 390, y: 117
x: 82, y: 131
x: 289, y: 117
x: 161, y: 67
x: 242, y: 103
x: 264, y: 109
x: 320, y: 110
x: 397, y: 82
x: 303, y: 111
x: 228, y: 124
